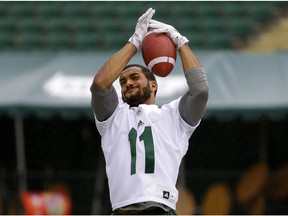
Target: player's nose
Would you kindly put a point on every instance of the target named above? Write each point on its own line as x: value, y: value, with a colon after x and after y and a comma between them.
x: 129, y: 83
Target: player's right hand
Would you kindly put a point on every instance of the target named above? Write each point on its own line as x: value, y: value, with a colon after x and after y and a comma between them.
x: 141, y: 28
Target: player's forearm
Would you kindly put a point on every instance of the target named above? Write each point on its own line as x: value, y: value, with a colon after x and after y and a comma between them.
x: 111, y: 70
x: 188, y: 58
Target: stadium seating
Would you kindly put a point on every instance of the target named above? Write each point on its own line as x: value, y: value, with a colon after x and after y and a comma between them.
x: 82, y: 25
x: 86, y: 41
x: 6, y: 40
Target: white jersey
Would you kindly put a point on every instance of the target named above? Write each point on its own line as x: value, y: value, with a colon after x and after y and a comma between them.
x: 143, y: 148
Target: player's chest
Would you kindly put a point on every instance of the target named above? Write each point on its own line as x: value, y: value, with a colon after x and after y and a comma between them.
x: 147, y: 116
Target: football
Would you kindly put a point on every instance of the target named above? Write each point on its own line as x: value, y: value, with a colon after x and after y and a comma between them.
x: 159, y: 53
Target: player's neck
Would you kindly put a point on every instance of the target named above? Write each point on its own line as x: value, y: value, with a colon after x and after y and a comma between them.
x: 150, y: 101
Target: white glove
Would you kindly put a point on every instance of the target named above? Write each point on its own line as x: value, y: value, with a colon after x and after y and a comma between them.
x: 176, y: 37
x: 141, y: 28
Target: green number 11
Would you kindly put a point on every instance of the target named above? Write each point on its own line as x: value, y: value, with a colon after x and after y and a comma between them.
x: 147, y: 137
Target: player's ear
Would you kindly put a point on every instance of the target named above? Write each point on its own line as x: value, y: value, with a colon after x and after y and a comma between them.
x: 153, y: 86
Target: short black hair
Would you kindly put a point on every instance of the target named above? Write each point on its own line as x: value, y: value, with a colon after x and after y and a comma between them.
x: 148, y: 74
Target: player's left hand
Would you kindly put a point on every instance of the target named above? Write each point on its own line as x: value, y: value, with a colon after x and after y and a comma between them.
x: 176, y: 37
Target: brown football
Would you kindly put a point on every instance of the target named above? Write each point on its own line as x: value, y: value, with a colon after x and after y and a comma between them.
x: 159, y: 53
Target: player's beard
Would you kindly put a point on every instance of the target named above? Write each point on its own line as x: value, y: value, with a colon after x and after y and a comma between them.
x: 139, y: 98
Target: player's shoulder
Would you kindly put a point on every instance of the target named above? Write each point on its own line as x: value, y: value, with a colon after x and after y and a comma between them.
x: 173, y: 105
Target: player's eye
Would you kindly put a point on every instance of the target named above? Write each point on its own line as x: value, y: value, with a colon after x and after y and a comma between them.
x: 122, y: 82
x: 135, y: 77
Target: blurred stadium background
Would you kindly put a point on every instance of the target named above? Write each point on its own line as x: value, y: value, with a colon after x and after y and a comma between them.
x: 50, y: 150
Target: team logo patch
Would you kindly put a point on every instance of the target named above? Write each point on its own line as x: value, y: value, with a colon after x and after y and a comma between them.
x: 166, y: 194
x: 139, y: 111
x: 140, y: 123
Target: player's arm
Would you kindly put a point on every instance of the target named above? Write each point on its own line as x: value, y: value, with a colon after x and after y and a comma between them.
x: 104, y: 97
x: 111, y: 70
x: 193, y: 103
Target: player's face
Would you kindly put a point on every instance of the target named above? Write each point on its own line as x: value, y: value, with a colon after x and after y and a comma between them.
x: 135, y: 87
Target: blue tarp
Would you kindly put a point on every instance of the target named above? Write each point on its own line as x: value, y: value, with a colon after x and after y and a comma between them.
x: 246, y: 85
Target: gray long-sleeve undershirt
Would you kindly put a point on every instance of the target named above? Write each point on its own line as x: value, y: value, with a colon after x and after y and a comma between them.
x: 191, y: 107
